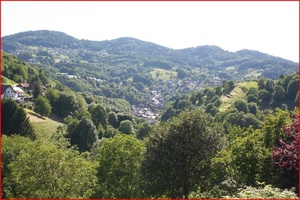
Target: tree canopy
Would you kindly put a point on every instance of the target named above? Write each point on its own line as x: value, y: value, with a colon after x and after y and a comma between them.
x: 180, y: 152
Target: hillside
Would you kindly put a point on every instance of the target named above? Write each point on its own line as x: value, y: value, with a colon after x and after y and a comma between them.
x: 125, y: 113
x: 57, y: 46
x: 44, y: 127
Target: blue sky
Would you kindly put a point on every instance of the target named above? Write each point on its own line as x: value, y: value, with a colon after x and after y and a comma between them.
x: 269, y: 27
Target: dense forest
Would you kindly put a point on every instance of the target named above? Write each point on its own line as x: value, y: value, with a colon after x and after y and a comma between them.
x: 206, y: 138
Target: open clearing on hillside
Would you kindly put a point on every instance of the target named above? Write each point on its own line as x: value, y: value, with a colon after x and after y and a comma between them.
x: 7, y: 81
x: 228, y: 100
x: 235, y: 94
x: 248, y: 84
x: 45, y: 126
x: 163, y: 74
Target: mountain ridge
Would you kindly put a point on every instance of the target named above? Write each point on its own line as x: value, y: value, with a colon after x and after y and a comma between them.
x: 41, y: 33
x: 131, y: 51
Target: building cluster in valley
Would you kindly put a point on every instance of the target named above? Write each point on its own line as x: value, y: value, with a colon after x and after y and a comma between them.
x: 167, y: 88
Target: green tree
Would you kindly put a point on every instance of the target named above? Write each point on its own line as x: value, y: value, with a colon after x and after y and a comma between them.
x: 84, y: 135
x: 278, y: 94
x: 126, y: 127
x: 143, y: 129
x: 15, y: 120
x: 9, y: 108
x: 113, y: 119
x: 42, y: 106
x: 53, y: 97
x: 178, y: 155
x: 252, y: 91
x: 251, y: 98
x: 241, y: 105
x: 11, y: 148
x: 37, y: 89
x: 45, y: 171
x: 99, y: 116
x: 119, y: 174
x: 264, y: 95
x: 247, y: 154
x: 292, y: 88
x: 68, y: 104
x: 218, y: 91
x: 261, y: 83
x: 252, y: 108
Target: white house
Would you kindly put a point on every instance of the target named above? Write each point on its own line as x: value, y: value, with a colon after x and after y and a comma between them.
x: 217, y: 81
x: 14, y: 93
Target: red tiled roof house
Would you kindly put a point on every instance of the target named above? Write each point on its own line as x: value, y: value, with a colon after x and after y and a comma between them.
x: 14, y: 93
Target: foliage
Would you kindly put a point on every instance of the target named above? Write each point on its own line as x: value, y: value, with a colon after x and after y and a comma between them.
x: 126, y: 127
x: 53, y: 97
x: 42, y: 106
x: 15, y: 119
x: 180, y: 152
x: 84, y: 135
x: 99, y: 116
x: 17, y: 70
x: 11, y: 148
x: 119, y: 175
x: 68, y: 104
x: 247, y: 154
x: 266, y: 192
x: 37, y: 90
x: 143, y: 129
x: 45, y: 171
x: 286, y: 153
x: 241, y: 106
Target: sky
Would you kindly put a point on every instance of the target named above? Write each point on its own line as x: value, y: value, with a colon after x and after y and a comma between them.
x: 269, y: 27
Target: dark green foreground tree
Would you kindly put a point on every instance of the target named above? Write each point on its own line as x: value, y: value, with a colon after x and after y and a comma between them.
x: 83, y: 135
x: 15, y: 120
x: 178, y: 155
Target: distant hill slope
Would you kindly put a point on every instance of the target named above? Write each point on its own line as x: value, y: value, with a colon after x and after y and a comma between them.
x: 227, y: 65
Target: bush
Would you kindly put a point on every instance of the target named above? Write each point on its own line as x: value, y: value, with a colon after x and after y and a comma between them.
x: 266, y: 192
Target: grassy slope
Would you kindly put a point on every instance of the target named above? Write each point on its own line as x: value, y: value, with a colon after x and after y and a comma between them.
x: 163, y: 74
x: 7, y: 81
x: 45, y: 126
x: 239, y: 92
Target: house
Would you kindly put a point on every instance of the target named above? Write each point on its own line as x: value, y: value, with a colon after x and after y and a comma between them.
x: 31, y: 88
x: 24, y: 86
x: 12, y: 92
x: 217, y: 81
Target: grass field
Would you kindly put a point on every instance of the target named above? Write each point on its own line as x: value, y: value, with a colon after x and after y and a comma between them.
x: 248, y: 84
x: 162, y: 74
x: 45, y: 126
x: 227, y: 101
x: 236, y: 93
x: 7, y: 81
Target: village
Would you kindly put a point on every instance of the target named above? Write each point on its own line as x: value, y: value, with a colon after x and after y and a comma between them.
x: 168, y: 88
x: 160, y: 92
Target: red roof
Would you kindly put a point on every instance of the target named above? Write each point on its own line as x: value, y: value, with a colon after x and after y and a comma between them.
x: 15, y: 89
x: 24, y: 85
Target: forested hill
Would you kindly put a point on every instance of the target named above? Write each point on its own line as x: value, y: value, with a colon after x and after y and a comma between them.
x: 242, y: 64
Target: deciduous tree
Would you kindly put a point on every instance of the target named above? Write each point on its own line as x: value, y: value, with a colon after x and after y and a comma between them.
x: 45, y: 171
x: 119, y: 174
x: 42, y: 106
x: 84, y: 135
x: 178, y: 155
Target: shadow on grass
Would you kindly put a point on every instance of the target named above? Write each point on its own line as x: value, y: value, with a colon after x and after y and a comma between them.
x: 36, y: 115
